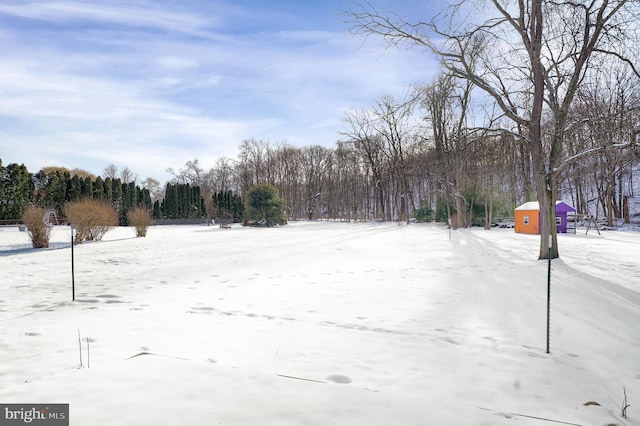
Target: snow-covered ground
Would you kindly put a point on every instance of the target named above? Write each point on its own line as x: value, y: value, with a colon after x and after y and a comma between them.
x: 322, y: 324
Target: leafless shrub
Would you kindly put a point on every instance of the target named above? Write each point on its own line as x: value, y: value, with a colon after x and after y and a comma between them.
x: 91, y: 218
x: 140, y: 218
x: 37, y: 230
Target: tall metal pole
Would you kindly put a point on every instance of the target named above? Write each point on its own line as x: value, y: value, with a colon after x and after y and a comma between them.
x: 549, y: 292
x: 73, y: 279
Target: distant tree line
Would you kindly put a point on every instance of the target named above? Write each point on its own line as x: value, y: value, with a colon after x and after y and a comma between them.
x: 387, y: 168
x: 52, y: 189
x: 57, y: 188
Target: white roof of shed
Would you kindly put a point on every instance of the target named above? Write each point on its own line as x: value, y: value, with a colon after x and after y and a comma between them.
x: 531, y: 205
x: 534, y: 205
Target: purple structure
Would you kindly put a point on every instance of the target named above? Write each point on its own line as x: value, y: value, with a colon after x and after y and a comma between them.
x: 562, y: 209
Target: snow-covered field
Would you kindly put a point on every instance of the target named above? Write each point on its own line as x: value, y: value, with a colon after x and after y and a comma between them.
x: 322, y: 324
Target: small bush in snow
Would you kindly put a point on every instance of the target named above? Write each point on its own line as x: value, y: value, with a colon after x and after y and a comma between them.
x: 139, y: 218
x: 33, y: 218
x: 91, y: 218
x: 424, y: 214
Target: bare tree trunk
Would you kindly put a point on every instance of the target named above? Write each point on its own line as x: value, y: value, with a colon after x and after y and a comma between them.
x: 543, y: 182
x: 488, y: 208
x: 461, y: 212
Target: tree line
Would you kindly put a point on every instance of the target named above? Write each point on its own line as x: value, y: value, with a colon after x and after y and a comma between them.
x: 397, y: 159
x: 53, y: 188
x: 391, y: 166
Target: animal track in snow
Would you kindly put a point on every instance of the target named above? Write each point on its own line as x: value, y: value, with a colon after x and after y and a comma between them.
x: 339, y: 378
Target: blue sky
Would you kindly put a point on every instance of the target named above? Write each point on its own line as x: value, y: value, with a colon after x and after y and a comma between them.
x: 151, y: 84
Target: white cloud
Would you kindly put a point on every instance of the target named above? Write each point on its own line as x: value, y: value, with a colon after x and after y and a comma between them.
x: 93, y: 95
x: 176, y: 63
x: 143, y: 14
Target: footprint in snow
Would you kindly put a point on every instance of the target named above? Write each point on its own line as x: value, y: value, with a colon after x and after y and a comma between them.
x: 339, y: 378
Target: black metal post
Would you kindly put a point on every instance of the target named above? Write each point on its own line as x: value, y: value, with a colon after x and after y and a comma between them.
x: 549, y: 292
x: 73, y: 280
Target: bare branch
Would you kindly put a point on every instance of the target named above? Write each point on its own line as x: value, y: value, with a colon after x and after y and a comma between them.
x: 567, y: 162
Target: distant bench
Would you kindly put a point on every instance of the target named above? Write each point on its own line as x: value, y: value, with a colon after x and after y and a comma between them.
x: 224, y: 223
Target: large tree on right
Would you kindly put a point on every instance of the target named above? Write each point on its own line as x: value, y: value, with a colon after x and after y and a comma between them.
x: 530, y: 57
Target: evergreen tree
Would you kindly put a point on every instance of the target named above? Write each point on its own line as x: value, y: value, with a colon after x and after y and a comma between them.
x: 218, y: 202
x: 74, y: 192
x: 108, y: 189
x: 144, y: 198
x: 133, y: 198
x: 124, y: 205
x: 203, y: 208
x: 197, y: 203
x: 117, y: 197
x: 264, y: 205
x: 56, y: 190
x: 87, y: 188
x: 157, y: 212
x: 228, y: 205
x: 4, y: 198
x: 237, y: 207
x: 116, y: 192
x: 98, y: 189
x: 181, y: 201
x: 171, y: 202
x: 16, y: 190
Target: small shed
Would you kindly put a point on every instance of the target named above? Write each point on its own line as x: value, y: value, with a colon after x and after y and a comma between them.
x: 526, y: 217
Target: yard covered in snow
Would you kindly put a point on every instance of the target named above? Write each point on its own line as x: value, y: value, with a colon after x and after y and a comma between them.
x: 322, y: 323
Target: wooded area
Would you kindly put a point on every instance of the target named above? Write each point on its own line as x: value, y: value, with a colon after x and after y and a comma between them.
x: 534, y: 62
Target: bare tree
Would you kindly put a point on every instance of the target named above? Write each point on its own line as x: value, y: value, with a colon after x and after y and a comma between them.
x: 347, y: 186
x: 393, y: 123
x: 223, y: 175
x: 287, y: 177
x: 111, y: 171
x: 607, y: 111
x: 447, y: 104
x: 253, y: 163
x: 155, y: 189
x: 316, y: 162
x: 363, y: 136
x: 127, y: 176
